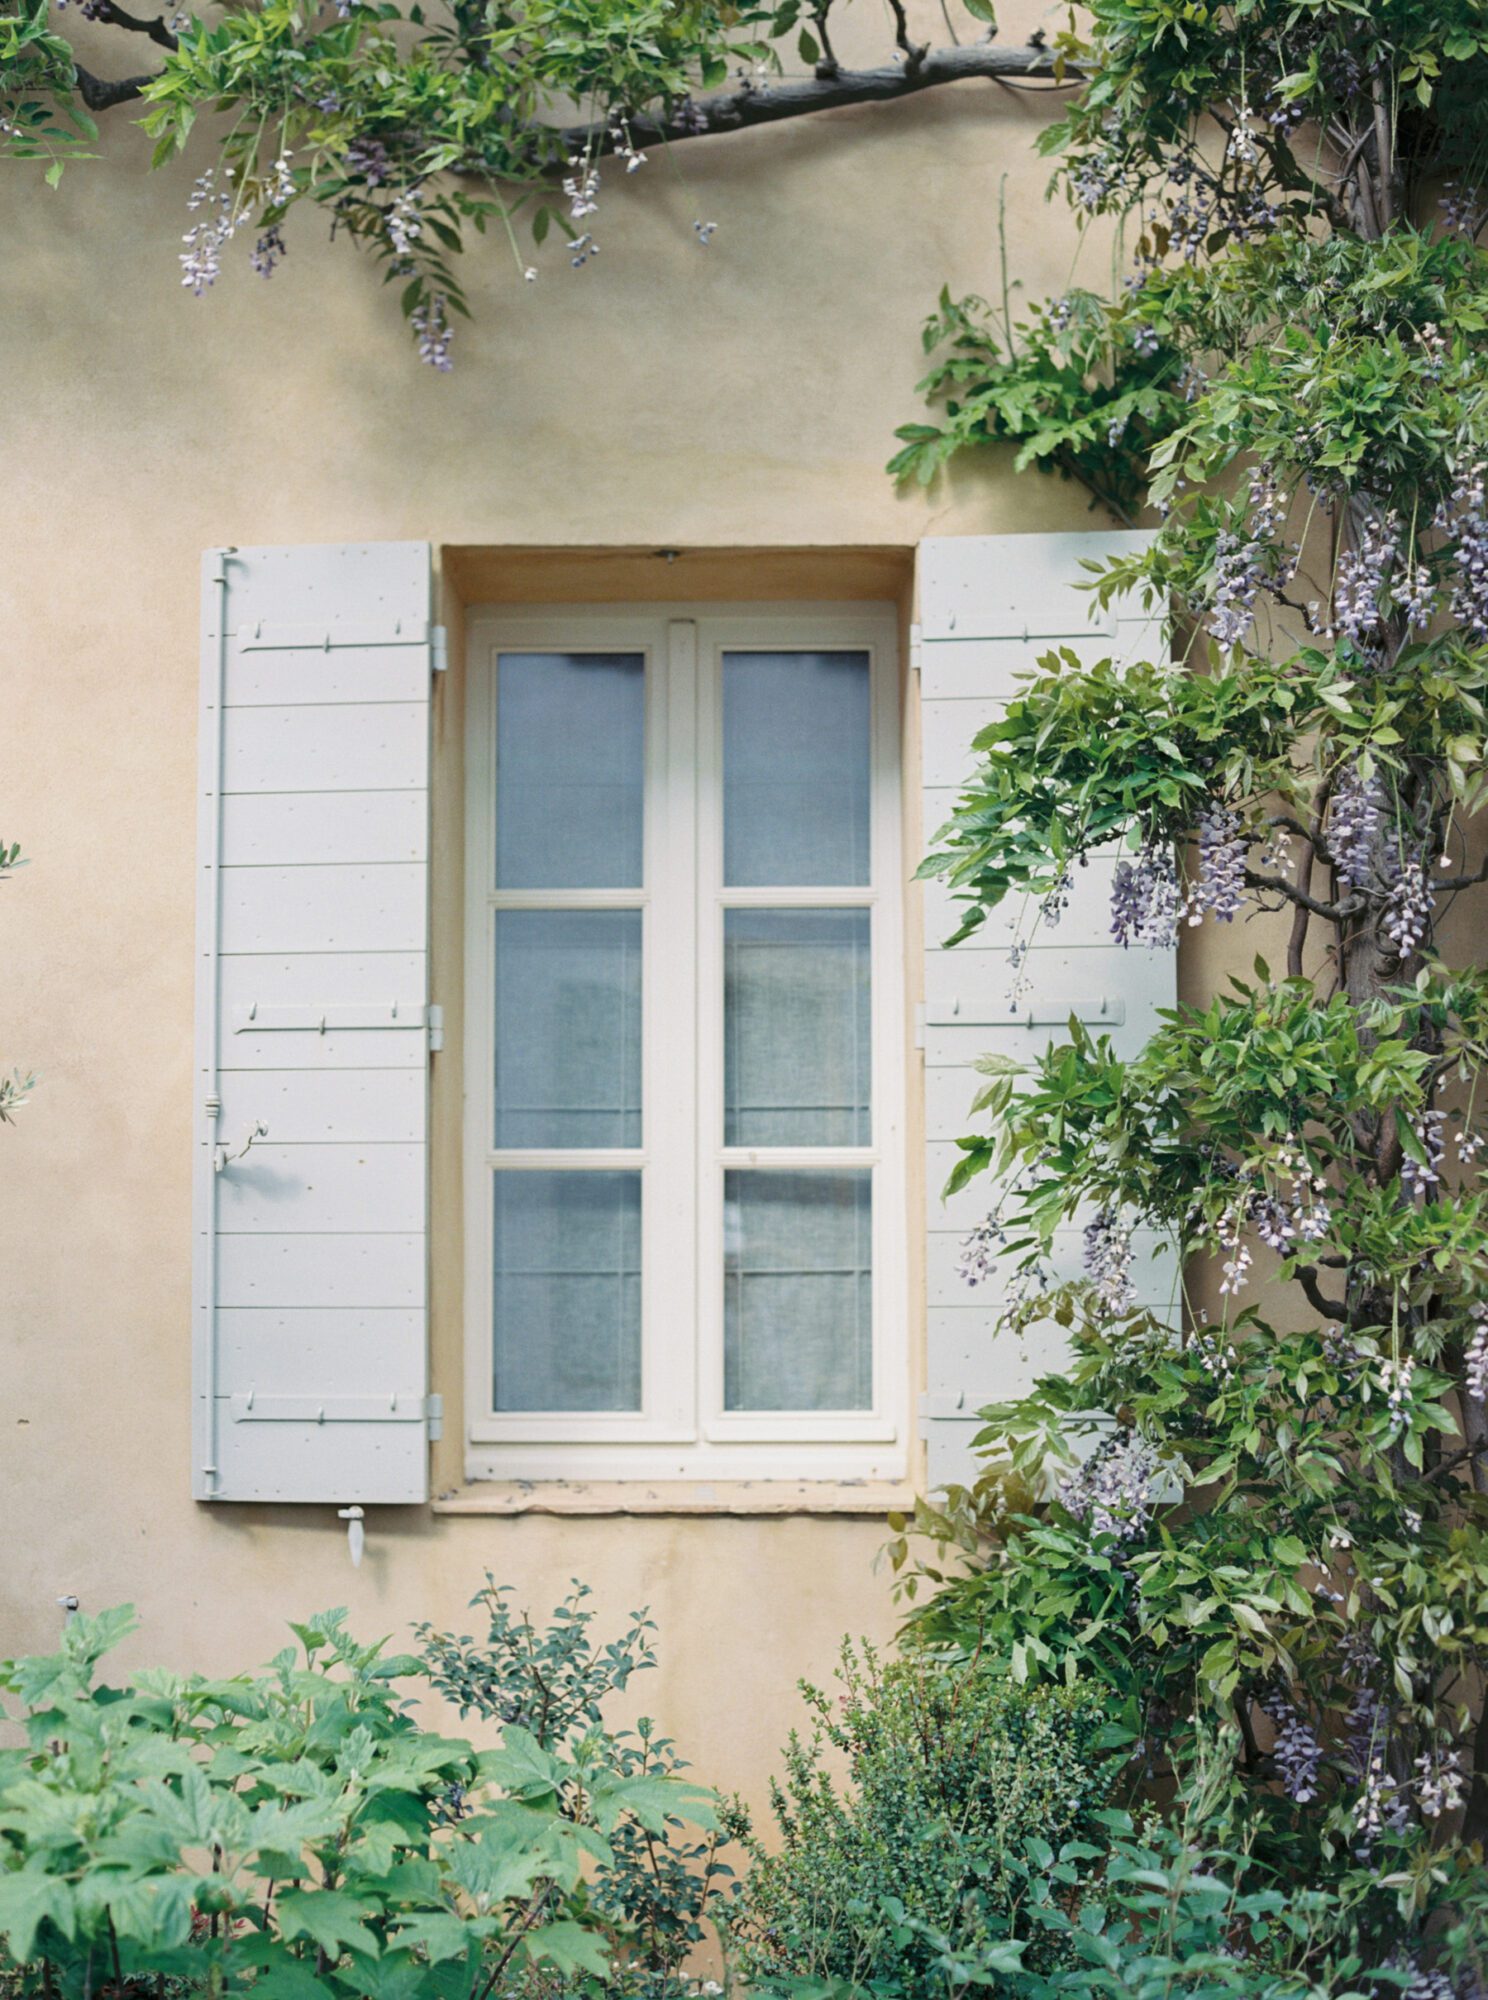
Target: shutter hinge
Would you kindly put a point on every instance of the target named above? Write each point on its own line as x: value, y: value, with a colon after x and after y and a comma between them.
x: 438, y: 649
x: 916, y: 649
x: 434, y: 1415
x: 919, y: 1024
x: 435, y: 1018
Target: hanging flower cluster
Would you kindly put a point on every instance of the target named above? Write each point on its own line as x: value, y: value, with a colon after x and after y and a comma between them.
x: 1359, y: 586
x: 1297, y: 1752
x: 1111, y: 1493
x: 1407, y: 918
x: 1222, y: 850
x: 980, y: 1251
x: 431, y: 326
x: 1421, y: 1175
x: 1354, y: 821
x: 1145, y: 898
x: 1108, y: 1258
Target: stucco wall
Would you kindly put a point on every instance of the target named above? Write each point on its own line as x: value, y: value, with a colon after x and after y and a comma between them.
x: 743, y: 396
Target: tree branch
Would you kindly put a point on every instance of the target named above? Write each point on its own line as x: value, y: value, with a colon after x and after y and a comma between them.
x: 1463, y: 881
x: 1299, y: 896
x: 1317, y: 1298
x: 101, y: 93
x: 751, y: 103
x: 105, y: 10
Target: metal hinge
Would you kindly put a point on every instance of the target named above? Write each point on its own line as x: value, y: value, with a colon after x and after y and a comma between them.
x: 438, y: 649
x: 919, y: 1024
x: 436, y: 1029
x: 916, y: 649
x: 434, y: 1413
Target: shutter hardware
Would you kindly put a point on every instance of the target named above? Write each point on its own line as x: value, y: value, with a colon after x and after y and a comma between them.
x: 393, y: 1408
x: 1104, y: 1013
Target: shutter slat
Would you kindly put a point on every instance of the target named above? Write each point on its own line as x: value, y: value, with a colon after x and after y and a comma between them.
x: 379, y: 746
x: 990, y: 607
x: 328, y: 1270
x: 269, y: 828
x: 309, y: 1278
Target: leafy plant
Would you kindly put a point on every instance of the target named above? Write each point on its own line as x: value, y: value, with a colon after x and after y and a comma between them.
x: 415, y: 128
x: 659, y: 1883
x: 920, y: 1856
x: 296, y: 1832
x: 1263, y: 1526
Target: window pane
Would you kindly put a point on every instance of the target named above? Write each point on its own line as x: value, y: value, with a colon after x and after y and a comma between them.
x: 567, y: 1293
x: 568, y: 1028
x: 797, y: 1263
x: 570, y: 768
x: 795, y: 768
x: 796, y: 1028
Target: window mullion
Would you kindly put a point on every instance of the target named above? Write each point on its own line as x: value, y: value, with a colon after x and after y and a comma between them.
x: 670, y: 1085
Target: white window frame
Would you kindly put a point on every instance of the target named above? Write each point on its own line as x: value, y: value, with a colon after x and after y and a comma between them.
x: 682, y: 1430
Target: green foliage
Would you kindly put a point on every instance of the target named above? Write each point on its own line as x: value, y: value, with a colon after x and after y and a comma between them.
x: 1068, y: 386
x: 40, y: 117
x: 919, y: 1854
x: 411, y: 127
x: 1264, y: 1532
x: 659, y: 1884
x: 296, y: 1831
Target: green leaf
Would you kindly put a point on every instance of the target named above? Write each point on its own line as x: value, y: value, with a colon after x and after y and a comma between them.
x: 30, y: 1897
x: 330, y: 1918
x: 570, y: 1948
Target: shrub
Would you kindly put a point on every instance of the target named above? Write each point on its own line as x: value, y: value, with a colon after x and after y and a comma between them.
x: 920, y: 1856
x: 659, y: 1883
x: 296, y: 1830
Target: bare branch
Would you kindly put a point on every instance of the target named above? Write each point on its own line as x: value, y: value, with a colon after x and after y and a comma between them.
x: 1317, y: 1298
x: 116, y: 17
x: 1279, y: 885
x: 101, y: 93
x: 913, y: 55
x: 1463, y: 881
x: 751, y: 103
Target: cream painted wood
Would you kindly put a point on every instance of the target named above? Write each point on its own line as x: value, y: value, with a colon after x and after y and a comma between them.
x: 311, y: 1175
x: 293, y: 829
x: 683, y: 1430
x: 350, y: 1271
x: 990, y: 608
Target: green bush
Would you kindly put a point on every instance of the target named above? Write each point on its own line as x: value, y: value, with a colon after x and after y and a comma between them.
x: 917, y: 1852
x: 661, y: 1880
x: 296, y: 1832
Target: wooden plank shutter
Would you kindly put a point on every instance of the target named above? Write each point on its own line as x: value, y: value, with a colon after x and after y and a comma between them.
x: 312, y: 1026
x: 990, y: 606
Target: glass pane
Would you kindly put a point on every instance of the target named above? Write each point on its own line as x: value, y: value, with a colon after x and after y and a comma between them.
x: 797, y: 1262
x: 570, y: 768
x: 796, y: 1020
x: 568, y: 1028
x: 795, y: 768
x: 567, y: 1293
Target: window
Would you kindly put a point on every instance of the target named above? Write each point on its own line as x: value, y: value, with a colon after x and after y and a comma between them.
x: 684, y: 1046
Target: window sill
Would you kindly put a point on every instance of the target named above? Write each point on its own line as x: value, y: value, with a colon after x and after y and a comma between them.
x: 869, y: 1499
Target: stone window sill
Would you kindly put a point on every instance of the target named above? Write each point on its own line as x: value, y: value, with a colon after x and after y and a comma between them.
x: 865, y: 1499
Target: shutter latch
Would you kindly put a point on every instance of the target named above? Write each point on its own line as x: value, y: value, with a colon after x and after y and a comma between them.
x: 435, y: 1019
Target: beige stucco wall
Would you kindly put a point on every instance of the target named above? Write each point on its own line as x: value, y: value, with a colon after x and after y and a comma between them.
x: 742, y: 396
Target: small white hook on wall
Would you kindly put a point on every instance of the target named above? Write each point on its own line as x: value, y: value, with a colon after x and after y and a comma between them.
x: 356, y: 1534
x: 224, y: 1158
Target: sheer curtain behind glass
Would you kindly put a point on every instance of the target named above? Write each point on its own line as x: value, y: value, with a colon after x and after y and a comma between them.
x: 797, y: 1030
x: 566, y: 1278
